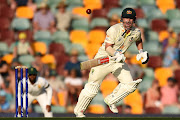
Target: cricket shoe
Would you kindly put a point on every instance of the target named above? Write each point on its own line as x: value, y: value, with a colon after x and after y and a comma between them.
x: 112, y: 107
x: 80, y: 115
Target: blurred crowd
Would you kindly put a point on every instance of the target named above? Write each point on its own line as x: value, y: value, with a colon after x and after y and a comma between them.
x: 54, y: 36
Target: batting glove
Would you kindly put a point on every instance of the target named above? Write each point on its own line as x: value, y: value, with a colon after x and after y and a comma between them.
x: 120, y: 57
x: 143, y: 55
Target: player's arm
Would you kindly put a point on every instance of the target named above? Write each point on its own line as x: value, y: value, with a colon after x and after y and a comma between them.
x: 142, y: 54
x: 49, y: 90
x: 109, y: 42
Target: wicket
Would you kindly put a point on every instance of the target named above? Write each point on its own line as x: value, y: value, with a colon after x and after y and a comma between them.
x: 26, y: 93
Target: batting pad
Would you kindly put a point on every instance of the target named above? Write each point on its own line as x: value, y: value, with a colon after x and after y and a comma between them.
x: 86, y: 96
x: 121, y: 91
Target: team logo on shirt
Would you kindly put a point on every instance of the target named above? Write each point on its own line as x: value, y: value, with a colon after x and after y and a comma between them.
x: 131, y: 39
x: 107, y: 37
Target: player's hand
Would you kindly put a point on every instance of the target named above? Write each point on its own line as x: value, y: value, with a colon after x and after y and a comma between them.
x: 144, y: 56
x: 120, y: 57
x: 48, y: 108
x: 19, y: 110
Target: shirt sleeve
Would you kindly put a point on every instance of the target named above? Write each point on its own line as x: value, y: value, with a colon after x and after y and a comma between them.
x: 35, y: 19
x: 138, y: 35
x: 110, y: 35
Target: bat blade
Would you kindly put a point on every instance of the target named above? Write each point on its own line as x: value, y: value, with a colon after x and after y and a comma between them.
x: 94, y: 62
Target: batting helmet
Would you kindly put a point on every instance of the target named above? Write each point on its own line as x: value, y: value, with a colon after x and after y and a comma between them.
x: 128, y: 13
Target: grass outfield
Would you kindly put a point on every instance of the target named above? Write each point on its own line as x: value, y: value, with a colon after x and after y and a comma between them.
x: 96, y: 118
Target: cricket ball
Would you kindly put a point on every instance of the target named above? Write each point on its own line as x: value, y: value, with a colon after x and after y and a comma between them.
x: 88, y: 11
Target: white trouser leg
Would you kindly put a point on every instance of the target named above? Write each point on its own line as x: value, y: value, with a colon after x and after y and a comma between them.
x: 42, y: 100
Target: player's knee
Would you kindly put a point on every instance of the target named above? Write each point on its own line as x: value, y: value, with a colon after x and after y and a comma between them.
x: 91, y: 89
x: 132, y: 86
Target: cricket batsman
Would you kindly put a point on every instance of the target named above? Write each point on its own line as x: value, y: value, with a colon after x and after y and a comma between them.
x: 39, y: 89
x: 118, y: 39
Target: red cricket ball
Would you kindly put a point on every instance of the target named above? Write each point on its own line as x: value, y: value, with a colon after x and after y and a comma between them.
x: 88, y: 11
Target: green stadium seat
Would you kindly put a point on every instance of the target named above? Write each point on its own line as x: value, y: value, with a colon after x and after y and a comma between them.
x: 98, y: 99
x: 53, y: 2
x: 39, y: 1
x: 173, y: 14
x: 26, y: 60
x: 11, y: 48
x: 152, y: 36
x: 42, y: 35
x: 80, y: 24
x: 171, y: 110
x: 117, y: 11
x: 58, y: 109
x: 60, y: 36
x: 142, y: 23
x: 147, y: 2
x: 154, y: 13
x: 79, y: 48
x: 128, y: 2
x: 155, y: 50
x: 145, y: 84
x: 149, y: 72
x: 71, y: 7
x: 175, y: 24
x: 3, y: 48
x: 74, y: 2
x: 133, y: 49
x: 99, y: 22
x: 20, y: 24
x: 148, y: 8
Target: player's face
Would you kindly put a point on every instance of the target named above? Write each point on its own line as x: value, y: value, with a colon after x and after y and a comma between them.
x: 32, y: 78
x: 127, y: 23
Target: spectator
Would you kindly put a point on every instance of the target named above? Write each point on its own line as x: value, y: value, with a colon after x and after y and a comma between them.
x: 114, y: 19
x: 41, y: 67
x: 135, y: 70
x: 3, y: 68
x: 152, y: 98
x: 170, y: 93
x: 72, y: 64
x: 44, y: 19
x: 127, y: 109
x: 64, y: 17
x: 171, y: 56
x: 4, y: 103
x: 58, y: 86
x: 22, y: 47
x: 74, y: 85
x: 31, y: 5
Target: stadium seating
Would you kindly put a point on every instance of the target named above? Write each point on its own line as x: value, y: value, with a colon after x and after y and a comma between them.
x: 92, y: 4
x: 173, y: 14
x: 3, y: 47
x: 165, y: 5
x: 142, y: 23
x: 24, y: 12
x: 40, y: 47
x: 162, y: 74
x: 20, y: 24
x: 97, y: 36
x: 159, y: 25
x: 175, y: 24
x: 135, y: 101
x: 99, y: 22
x: 116, y: 11
x: 133, y: 3
x: 48, y: 59
x: 26, y: 60
x: 5, y: 24
x: 80, y: 24
x: 79, y: 37
x: 171, y: 110
x: 155, y: 62
x: 99, y: 13
x: 8, y: 14
x: 108, y: 86
x: 8, y: 58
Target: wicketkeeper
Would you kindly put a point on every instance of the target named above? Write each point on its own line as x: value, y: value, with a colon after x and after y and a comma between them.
x: 39, y: 89
x: 119, y: 37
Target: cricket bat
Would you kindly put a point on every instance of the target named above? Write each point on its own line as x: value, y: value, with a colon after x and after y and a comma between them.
x: 95, y: 62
